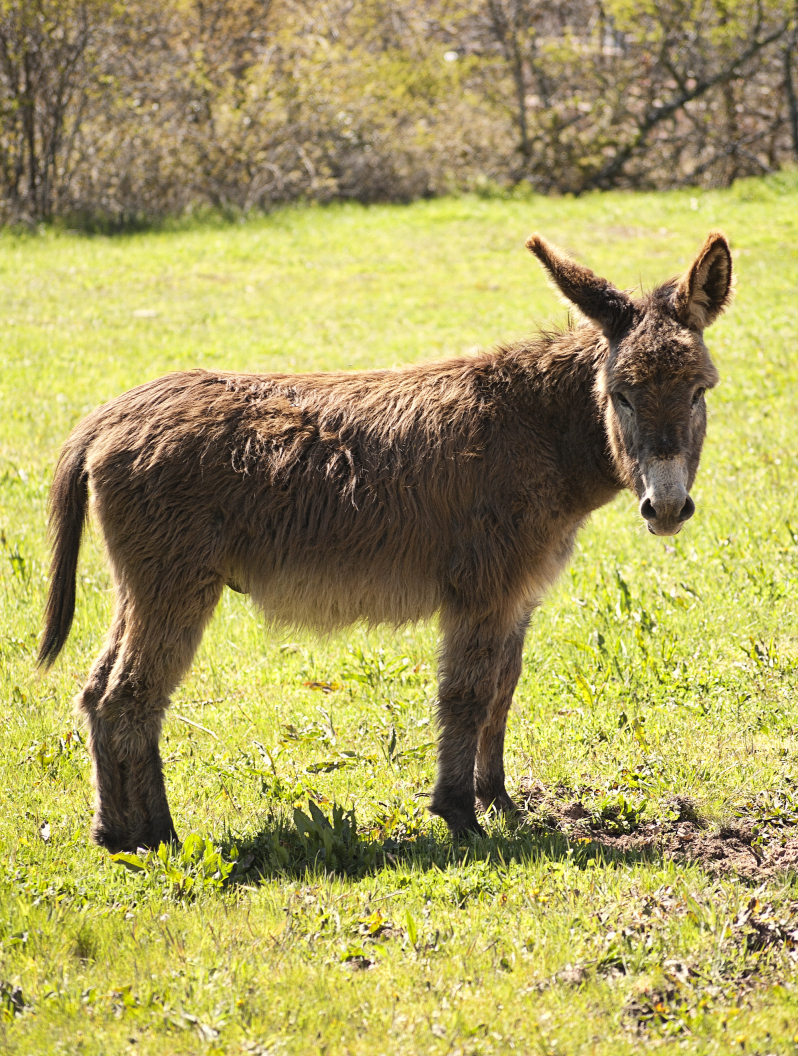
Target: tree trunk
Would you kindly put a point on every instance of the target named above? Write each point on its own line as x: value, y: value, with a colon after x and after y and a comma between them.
x: 792, y: 100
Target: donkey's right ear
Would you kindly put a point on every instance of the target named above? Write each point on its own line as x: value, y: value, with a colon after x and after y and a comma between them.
x: 706, y: 289
x: 597, y: 299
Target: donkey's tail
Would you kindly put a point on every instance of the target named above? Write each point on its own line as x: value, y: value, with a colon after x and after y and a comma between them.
x: 69, y: 497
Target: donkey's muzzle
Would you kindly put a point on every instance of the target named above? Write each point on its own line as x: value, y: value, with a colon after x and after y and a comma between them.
x: 660, y: 519
x: 666, y: 505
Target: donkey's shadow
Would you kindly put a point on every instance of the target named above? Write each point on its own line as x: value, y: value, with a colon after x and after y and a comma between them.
x: 281, y: 849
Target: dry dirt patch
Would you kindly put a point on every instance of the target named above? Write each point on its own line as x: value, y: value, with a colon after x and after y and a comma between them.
x: 721, y: 850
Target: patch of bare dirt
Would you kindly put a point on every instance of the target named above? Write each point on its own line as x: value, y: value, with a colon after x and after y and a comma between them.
x: 719, y: 850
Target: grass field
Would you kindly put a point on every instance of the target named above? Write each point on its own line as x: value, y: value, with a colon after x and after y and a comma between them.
x: 650, y: 900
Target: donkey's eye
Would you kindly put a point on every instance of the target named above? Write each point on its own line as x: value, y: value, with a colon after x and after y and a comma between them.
x: 698, y: 394
x: 619, y: 396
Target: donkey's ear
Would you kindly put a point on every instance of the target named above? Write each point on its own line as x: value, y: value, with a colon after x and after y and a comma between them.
x: 602, y: 303
x: 706, y: 289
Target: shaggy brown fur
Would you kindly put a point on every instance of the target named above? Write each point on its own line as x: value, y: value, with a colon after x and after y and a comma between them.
x: 454, y: 488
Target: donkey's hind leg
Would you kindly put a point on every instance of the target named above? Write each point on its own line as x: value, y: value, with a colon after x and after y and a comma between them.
x: 143, y: 662
x: 104, y: 774
x: 489, y: 774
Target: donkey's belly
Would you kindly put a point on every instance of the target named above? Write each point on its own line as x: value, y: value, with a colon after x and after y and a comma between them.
x: 329, y: 599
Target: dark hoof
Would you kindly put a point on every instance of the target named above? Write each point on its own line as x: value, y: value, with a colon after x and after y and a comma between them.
x: 470, y: 827
x: 457, y: 810
x: 111, y: 840
x: 500, y: 803
x: 152, y: 843
x: 115, y: 841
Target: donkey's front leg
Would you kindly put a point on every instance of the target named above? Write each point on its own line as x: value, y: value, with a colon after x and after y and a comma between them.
x: 471, y: 664
x: 489, y: 776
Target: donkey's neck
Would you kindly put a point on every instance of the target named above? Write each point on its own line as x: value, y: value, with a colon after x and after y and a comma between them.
x: 560, y: 397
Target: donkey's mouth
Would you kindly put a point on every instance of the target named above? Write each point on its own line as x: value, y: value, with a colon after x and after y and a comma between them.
x: 667, y: 518
x: 662, y: 529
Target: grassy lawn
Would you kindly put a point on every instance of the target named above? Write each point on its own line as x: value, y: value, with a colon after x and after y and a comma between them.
x: 650, y: 899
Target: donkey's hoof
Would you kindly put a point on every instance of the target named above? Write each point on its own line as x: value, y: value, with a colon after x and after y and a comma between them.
x: 111, y: 839
x: 498, y: 803
x: 152, y: 840
x: 457, y: 810
x: 462, y: 823
x: 115, y: 841
x: 470, y: 827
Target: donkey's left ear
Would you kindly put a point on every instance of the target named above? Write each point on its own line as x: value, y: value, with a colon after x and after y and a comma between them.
x: 596, y: 298
x: 706, y: 289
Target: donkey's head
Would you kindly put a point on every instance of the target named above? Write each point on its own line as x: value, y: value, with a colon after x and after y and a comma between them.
x: 651, y: 385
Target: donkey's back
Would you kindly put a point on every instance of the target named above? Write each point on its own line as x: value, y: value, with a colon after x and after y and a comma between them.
x: 328, y: 497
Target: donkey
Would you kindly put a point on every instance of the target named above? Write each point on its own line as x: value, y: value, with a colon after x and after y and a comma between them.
x: 454, y: 487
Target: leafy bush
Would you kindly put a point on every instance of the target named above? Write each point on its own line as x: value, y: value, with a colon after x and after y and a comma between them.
x: 131, y: 112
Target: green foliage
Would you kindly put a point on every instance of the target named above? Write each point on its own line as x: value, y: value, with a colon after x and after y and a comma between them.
x: 334, y: 843
x: 183, y: 872
x: 377, y: 668
x: 618, y: 813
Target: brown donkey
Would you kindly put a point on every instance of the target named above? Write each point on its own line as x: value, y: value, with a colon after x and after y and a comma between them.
x: 454, y: 487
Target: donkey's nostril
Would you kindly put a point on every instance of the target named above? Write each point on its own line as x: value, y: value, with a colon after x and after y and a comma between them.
x: 687, y: 510
x: 647, y: 510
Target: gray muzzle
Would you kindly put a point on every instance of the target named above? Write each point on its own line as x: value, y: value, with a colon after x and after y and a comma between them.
x: 666, y: 505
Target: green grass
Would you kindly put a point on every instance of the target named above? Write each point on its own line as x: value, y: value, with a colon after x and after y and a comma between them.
x: 656, y: 668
